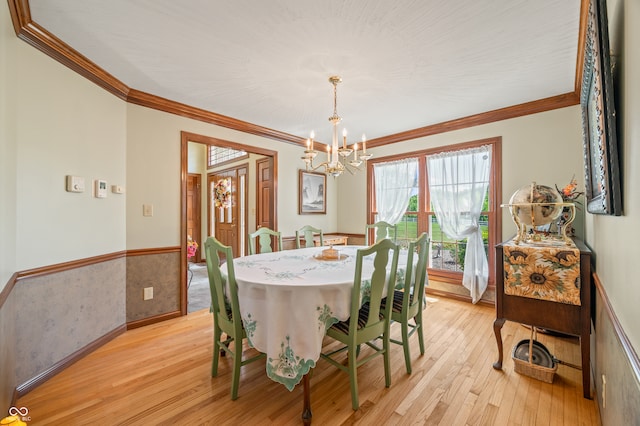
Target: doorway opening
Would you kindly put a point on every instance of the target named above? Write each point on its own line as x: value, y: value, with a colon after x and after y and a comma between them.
x: 252, y: 190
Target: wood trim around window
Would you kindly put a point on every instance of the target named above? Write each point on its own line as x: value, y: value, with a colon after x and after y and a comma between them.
x: 495, y: 198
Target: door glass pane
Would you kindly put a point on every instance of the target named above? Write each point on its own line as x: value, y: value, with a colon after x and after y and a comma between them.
x: 407, y: 229
x: 446, y: 253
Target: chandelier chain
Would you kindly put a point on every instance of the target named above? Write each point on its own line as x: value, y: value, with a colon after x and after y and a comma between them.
x: 335, y: 80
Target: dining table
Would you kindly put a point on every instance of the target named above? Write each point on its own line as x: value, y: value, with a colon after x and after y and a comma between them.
x: 288, y: 299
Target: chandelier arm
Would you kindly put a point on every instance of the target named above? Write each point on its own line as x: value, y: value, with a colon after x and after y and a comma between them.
x: 352, y: 169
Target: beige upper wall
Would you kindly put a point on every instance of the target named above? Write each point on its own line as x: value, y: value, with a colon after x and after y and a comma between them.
x: 153, y: 167
x: 59, y: 123
x: 8, y: 148
x: 615, y: 239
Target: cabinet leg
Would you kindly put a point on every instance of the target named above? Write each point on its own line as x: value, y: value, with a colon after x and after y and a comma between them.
x: 497, y: 330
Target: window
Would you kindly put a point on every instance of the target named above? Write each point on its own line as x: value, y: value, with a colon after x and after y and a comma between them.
x: 217, y: 155
x: 446, y: 262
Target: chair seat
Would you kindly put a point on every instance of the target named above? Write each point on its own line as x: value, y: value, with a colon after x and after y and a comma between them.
x: 363, y: 316
x: 397, y: 301
x: 229, y: 312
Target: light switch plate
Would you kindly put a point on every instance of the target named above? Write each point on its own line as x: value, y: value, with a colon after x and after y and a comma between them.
x: 148, y: 293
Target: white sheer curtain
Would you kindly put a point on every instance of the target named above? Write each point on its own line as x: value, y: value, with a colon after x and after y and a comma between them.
x: 458, y: 183
x: 394, y: 181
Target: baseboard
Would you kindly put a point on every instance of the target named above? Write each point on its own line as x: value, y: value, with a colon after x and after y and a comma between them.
x: 56, y: 368
x: 152, y: 320
x: 460, y: 297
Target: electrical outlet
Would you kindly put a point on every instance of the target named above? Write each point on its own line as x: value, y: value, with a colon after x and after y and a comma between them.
x: 604, y: 391
x: 147, y: 210
x: 148, y: 293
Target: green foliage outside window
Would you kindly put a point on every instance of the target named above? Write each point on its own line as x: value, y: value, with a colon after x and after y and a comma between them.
x: 413, y: 204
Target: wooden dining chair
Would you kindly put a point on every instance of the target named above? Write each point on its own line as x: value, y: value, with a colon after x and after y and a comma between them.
x: 382, y: 230
x: 409, y: 302
x: 264, y: 236
x: 369, y: 322
x: 226, y: 311
x: 307, y: 233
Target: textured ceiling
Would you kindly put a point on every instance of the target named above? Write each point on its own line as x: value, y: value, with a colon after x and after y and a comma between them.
x: 405, y: 64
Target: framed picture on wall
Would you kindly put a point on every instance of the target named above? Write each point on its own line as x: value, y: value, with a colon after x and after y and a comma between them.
x: 602, y: 172
x: 312, y: 192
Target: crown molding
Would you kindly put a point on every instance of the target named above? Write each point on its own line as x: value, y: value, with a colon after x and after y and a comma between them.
x: 156, y: 102
x: 41, y: 39
x: 541, y: 105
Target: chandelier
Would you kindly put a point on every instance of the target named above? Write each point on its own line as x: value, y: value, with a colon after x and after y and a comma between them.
x: 337, y: 157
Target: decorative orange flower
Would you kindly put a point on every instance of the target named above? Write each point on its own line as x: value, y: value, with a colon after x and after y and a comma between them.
x: 570, y: 191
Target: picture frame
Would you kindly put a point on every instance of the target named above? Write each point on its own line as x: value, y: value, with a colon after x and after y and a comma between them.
x: 312, y: 192
x: 602, y: 172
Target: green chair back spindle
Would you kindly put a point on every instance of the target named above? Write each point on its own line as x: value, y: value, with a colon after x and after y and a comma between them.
x: 369, y: 322
x: 226, y: 311
x: 382, y: 230
x: 307, y: 233
x: 264, y: 236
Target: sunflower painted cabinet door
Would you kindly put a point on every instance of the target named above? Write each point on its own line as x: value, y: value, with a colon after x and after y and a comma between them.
x: 546, y: 284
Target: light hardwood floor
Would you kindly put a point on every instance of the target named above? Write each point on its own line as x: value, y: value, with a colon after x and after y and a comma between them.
x: 161, y: 374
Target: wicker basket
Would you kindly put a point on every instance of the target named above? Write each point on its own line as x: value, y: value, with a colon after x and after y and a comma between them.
x: 528, y: 368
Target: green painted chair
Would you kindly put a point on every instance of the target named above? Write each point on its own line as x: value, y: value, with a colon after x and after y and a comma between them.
x: 264, y: 236
x: 307, y: 233
x: 369, y: 322
x: 226, y: 312
x: 382, y: 230
x: 408, y: 303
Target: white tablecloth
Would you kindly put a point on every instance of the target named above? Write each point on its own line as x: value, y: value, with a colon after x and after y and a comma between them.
x: 289, y: 298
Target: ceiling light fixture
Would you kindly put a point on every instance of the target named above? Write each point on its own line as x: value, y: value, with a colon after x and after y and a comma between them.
x: 337, y: 158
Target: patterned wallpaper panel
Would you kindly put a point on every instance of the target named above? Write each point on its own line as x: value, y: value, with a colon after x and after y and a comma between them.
x: 160, y: 271
x: 60, y: 313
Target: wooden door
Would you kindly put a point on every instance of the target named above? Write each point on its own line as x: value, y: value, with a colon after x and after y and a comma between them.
x: 229, y: 222
x: 194, y: 228
x: 264, y: 193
